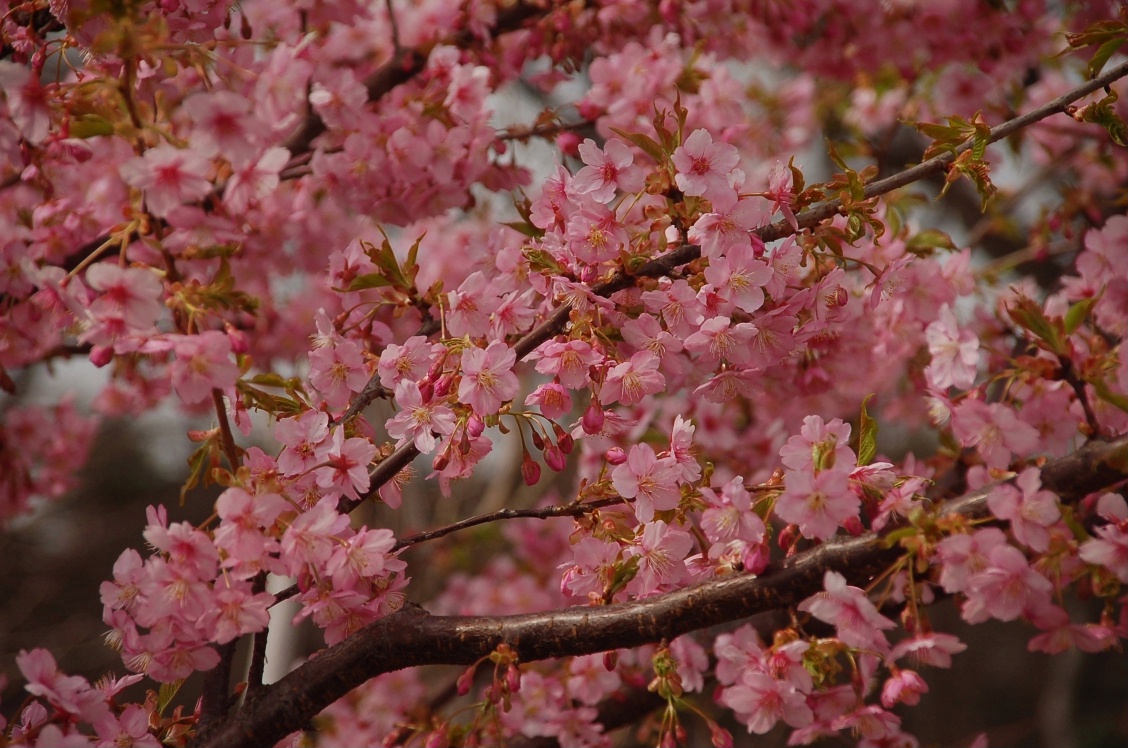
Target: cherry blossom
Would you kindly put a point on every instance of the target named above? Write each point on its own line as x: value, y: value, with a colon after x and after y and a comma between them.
x: 849, y: 610
x: 488, y: 380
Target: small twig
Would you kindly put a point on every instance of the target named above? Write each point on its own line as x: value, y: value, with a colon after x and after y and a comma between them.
x: 547, y: 512
x: 395, y: 28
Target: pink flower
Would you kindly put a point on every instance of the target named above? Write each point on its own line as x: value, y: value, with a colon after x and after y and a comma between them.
x: 726, y: 232
x: 1110, y: 546
x: 661, y: 552
x: 593, y: 568
x: 703, y: 168
x: 471, y: 305
x: 338, y: 371
x: 1030, y: 512
x: 650, y: 481
x: 364, y: 556
x: 729, y: 516
x: 27, y: 101
x: 304, y: 441
x: 929, y: 649
x: 131, y: 294
x: 994, y: 430
x: 418, y: 421
x: 739, y: 280
x: 223, y: 125
x: 819, y: 445
x: 488, y: 380
x: 963, y: 556
x: 851, y: 612
x: 607, y: 170
x: 646, y: 333
x: 553, y: 399
x: 633, y: 380
x: 240, y: 534
x: 718, y: 340
x: 169, y: 177
x: 955, y: 353
x: 255, y: 181
x: 203, y: 362
x: 311, y: 536
x: 235, y: 611
x: 594, y: 234
x: 903, y: 686
x: 130, y: 729
x: 569, y: 361
x: 408, y: 361
x: 348, y: 460
x: 1006, y: 589
x: 818, y: 502
x: 69, y: 693
x: 760, y: 702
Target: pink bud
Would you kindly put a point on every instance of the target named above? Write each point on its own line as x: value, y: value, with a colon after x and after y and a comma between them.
x: 437, y: 738
x: 563, y: 439
x: 100, y: 355
x: 610, y: 660
x: 616, y: 456
x: 466, y: 680
x: 442, y: 388
x: 853, y: 526
x: 475, y: 426
x: 441, y: 461
x: 538, y: 440
x: 788, y: 536
x: 592, y: 420
x: 721, y: 737
x: 589, y: 111
x: 569, y: 143
x: 757, y: 558
x: 530, y: 470
x: 554, y: 458
x: 426, y: 390
x: 237, y: 337
x: 513, y: 678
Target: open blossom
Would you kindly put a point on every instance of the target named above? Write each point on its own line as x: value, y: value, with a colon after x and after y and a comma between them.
x: 488, y: 380
x: 203, y: 362
x: 168, y: 176
x: 131, y: 294
x: 633, y: 380
x: 1110, y: 546
x: 607, y: 170
x: 1006, y: 589
x: 69, y: 693
x: 338, y: 371
x: 256, y: 180
x: 347, y: 471
x: 850, y: 611
x: 818, y: 502
x: 718, y: 340
x: 727, y: 232
x: 1029, y: 509
x: 419, y: 421
x: 661, y: 553
x: 304, y: 441
x: 650, y: 481
x: 761, y: 701
x: 408, y: 361
x: 955, y: 353
x: 569, y: 361
x: 553, y: 399
x: 994, y: 430
x: 703, y: 168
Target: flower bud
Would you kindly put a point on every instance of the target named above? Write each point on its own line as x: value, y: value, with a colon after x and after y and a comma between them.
x: 538, y: 440
x: 569, y: 143
x: 466, y: 680
x: 592, y: 420
x: 554, y: 458
x: 513, y: 678
x: 788, y: 536
x: 616, y: 456
x: 475, y: 426
x: 442, y: 387
x: 237, y: 337
x: 426, y: 390
x: 563, y: 439
x: 610, y: 660
x: 530, y: 470
x: 721, y: 737
x: 100, y: 355
x: 853, y: 526
x: 757, y: 558
x: 441, y: 461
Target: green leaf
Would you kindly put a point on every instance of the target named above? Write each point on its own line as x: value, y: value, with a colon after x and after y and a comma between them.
x: 1078, y: 313
x: 166, y: 693
x: 525, y: 228
x: 923, y: 242
x: 90, y: 126
x: 1103, y: 53
x: 369, y: 280
x: 1028, y: 314
x: 648, y: 145
x: 1105, y: 393
x: 867, y: 435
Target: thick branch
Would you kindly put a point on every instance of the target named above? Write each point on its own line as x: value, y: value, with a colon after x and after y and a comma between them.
x: 412, y: 637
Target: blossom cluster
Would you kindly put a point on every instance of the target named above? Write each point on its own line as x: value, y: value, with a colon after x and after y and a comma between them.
x: 278, y: 213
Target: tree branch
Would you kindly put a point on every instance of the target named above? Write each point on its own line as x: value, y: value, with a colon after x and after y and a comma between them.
x: 412, y: 637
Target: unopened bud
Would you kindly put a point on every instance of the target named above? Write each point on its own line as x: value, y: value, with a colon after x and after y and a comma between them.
x: 441, y: 461
x: 853, y: 526
x: 592, y: 420
x: 569, y: 143
x: 475, y: 426
x: 757, y: 558
x: 442, y: 388
x: 530, y: 470
x: 466, y: 680
x: 426, y: 391
x: 237, y: 337
x: 616, y: 456
x: 554, y: 458
x: 100, y: 355
x: 721, y: 737
x: 513, y: 678
x: 563, y: 439
x: 538, y: 440
x: 788, y: 536
x: 610, y: 660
